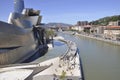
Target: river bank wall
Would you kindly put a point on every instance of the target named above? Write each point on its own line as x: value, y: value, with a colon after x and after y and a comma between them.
x: 117, y: 43
x: 100, y: 39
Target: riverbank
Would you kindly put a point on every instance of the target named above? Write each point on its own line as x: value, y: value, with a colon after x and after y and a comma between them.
x: 65, y: 67
x: 100, y: 58
x: 96, y: 38
x: 100, y: 39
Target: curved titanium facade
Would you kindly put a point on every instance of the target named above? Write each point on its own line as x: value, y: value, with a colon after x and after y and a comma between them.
x: 21, y: 39
x: 15, y: 43
x: 18, y: 6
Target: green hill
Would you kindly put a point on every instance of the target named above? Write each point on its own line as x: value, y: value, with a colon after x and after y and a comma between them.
x: 105, y: 20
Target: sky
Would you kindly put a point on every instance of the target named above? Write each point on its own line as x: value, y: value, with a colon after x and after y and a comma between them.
x: 66, y: 11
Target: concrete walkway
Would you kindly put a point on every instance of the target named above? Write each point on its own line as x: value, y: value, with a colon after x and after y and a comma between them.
x: 21, y: 71
x: 66, y: 66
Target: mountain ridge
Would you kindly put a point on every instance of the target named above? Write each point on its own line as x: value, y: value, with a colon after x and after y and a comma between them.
x: 55, y: 24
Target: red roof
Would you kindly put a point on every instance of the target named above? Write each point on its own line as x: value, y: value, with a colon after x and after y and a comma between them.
x: 113, y: 27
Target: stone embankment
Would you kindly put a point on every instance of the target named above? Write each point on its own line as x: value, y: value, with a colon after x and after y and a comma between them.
x: 65, y: 67
x: 101, y: 39
x: 95, y: 38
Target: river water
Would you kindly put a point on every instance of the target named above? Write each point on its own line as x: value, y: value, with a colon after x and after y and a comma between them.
x: 59, y: 49
x: 100, y: 60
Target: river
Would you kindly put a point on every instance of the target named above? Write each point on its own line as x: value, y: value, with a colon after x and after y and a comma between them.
x: 59, y: 49
x: 100, y: 60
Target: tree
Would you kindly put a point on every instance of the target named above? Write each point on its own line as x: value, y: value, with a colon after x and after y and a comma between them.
x: 49, y: 34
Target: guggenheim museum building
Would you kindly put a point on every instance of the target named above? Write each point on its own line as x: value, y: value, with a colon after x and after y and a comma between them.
x: 22, y: 37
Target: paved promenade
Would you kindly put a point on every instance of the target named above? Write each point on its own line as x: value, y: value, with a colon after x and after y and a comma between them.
x: 64, y: 67
x: 21, y: 71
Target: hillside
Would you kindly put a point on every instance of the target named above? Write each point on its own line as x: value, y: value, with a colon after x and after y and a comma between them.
x: 106, y: 20
x: 58, y: 25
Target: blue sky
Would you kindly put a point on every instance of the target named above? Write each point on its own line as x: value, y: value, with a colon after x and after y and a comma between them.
x: 66, y: 11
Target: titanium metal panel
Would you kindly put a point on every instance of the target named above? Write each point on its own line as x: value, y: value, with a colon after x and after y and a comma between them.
x: 18, y: 6
x: 22, y: 23
x: 33, y: 19
x: 15, y: 43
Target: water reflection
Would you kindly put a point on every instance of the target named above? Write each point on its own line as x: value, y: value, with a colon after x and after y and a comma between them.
x: 58, y: 43
x: 58, y: 50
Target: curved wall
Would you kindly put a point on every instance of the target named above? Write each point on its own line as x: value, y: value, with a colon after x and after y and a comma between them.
x: 15, y: 43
